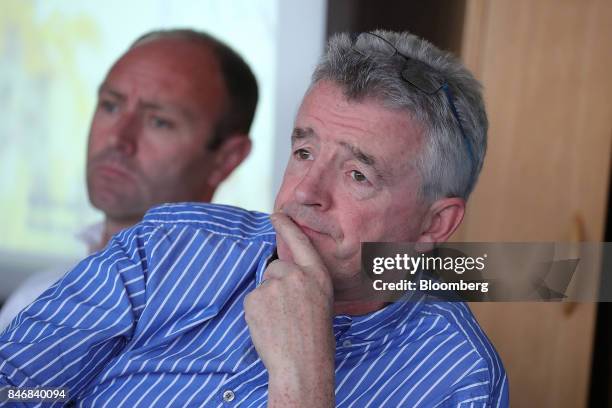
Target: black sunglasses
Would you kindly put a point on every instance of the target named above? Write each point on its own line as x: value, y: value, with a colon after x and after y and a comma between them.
x: 421, y: 76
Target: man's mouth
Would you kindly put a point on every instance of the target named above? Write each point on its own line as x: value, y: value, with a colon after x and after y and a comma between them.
x: 307, y: 230
x: 311, y: 224
x: 112, y: 171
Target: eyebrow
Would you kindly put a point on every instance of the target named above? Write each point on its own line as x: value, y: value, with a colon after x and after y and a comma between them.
x: 360, y: 155
x: 302, y: 133
x: 104, y: 88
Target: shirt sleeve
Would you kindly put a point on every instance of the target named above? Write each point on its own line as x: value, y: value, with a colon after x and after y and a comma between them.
x: 76, y: 326
x: 29, y: 291
x: 477, y: 389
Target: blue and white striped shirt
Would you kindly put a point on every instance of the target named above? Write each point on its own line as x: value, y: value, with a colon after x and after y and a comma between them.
x: 157, y: 320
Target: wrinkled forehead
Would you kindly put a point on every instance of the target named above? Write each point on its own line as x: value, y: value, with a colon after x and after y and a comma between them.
x: 171, y: 70
x: 179, y: 61
x: 367, y: 123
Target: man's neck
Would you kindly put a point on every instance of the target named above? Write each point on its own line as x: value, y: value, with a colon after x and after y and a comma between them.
x: 358, y: 297
x: 357, y: 308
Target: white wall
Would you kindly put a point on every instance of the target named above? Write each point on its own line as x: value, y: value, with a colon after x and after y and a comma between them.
x: 301, y: 43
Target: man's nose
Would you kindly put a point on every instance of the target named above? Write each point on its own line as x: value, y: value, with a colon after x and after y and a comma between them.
x: 124, y: 134
x: 314, y: 188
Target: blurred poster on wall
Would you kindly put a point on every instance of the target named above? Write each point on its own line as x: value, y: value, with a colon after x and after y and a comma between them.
x: 53, y: 56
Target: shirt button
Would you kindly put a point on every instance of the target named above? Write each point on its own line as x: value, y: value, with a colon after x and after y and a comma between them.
x: 347, y: 343
x: 228, y: 396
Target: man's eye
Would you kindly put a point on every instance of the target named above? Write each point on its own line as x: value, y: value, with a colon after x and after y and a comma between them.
x: 160, y: 123
x: 302, y: 154
x: 108, y: 106
x: 358, y: 176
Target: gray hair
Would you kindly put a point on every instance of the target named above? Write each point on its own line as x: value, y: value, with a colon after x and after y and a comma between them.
x: 448, y: 165
x: 240, y: 82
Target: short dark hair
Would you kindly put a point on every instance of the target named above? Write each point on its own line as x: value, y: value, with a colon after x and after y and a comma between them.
x: 240, y: 82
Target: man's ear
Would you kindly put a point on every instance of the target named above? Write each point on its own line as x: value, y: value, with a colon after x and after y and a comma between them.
x: 441, y: 220
x: 227, y: 157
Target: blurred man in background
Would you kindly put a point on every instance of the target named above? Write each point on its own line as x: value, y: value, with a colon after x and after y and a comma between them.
x: 171, y: 123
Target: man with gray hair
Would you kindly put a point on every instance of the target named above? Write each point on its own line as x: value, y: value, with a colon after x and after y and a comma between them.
x: 209, y: 305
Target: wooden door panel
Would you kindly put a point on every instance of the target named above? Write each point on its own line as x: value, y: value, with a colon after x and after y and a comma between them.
x: 546, y: 67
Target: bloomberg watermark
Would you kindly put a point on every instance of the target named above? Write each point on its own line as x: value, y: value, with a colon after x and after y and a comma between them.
x: 542, y: 271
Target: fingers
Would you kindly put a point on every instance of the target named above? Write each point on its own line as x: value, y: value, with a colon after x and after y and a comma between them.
x: 304, y: 253
x: 275, y: 270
